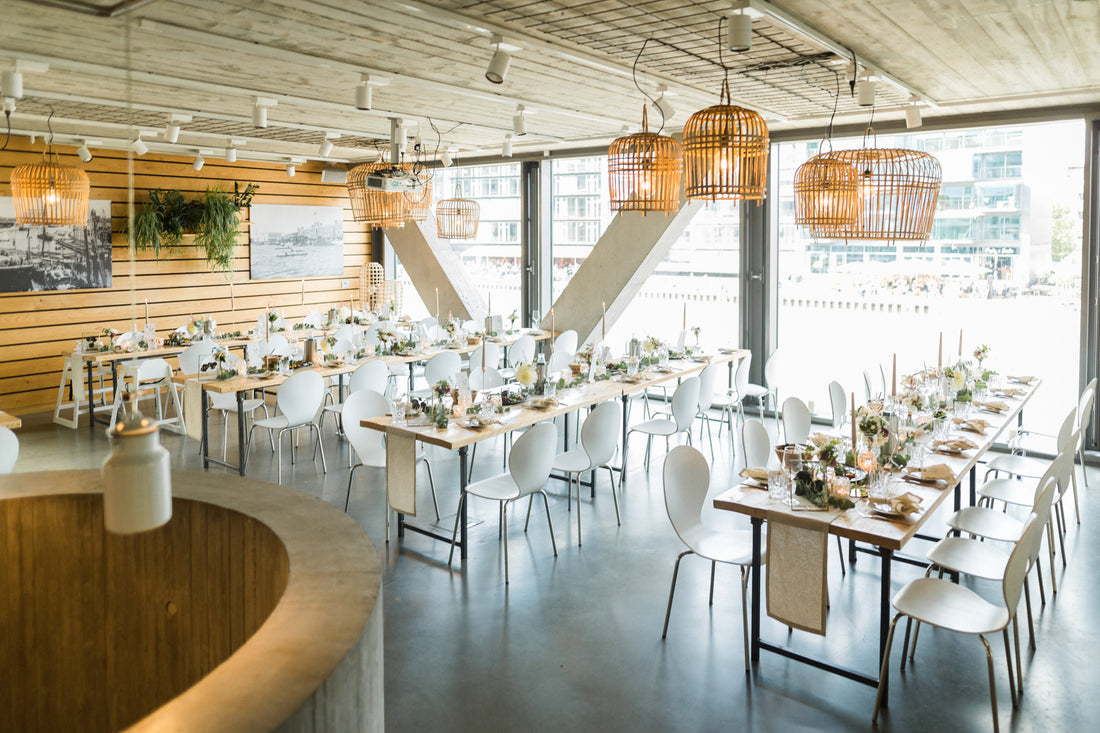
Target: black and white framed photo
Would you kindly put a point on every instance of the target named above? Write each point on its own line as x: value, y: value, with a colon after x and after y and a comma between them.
x: 296, y: 241
x: 34, y: 258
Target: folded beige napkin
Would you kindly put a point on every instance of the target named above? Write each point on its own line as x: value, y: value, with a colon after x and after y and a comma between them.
x: 821, y: 439
x: 958, y: 444
x: 994, y: 406
x: 1023, y: 380
x: 974, y: 424
x: 759, y: 474
x: 907, y: 503
x: 939, y: 472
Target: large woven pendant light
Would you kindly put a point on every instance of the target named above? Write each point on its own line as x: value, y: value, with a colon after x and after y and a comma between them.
x: 457, y: 218
x: 826, y: 194
x: 644, y: 171
x: 725, y: 152
x: 898, y: 190
x: 49, y: 193
x: 377, y: 208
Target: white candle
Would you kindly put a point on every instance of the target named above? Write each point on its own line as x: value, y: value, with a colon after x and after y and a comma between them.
x: 685, y: 326
x: 960, y: 342
x: 147, y: 310
x: 437, y: 304
x: 232, y: 298
x: 894, y: 382
x: 853, y: 423
x: 303, y: 291
x: 603, y: 322
x: 490, y: 304
x: 939, y: 359
x: 553, y: 331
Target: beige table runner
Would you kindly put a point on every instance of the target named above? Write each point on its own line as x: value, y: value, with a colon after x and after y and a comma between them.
x: 192, y: 408
x: 797, y: 585
x: 401, y: 471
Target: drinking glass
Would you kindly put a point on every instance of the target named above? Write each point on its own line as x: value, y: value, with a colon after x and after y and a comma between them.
x: 878, y: 487
x: 792, y: 462
x: 941, y: 430
x: 631, y: 366
x: 662, y: 357
x: 962, y: 409
x: 397, y: 409
x: 777, y: 485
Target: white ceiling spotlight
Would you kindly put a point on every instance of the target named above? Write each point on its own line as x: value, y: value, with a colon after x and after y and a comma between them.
x: 519, y: 120
x: 325, y: 148
x: 447, y: 159
x: 84, y: 153
x: 139, y: 146
x: 912, y: 112
x: 364, y: 90
x: 260, y: 106
x: 502, y: 59
x: 231, y: 155
x: 739, y: 27
x: 172, y: 129
x: 506, y: 148
x: 663, y: 105
x: 11, y: 84
x: 865, y: 90
x: 199, y: 162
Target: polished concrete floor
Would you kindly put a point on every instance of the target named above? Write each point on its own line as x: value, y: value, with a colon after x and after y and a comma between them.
x: 574, y: 642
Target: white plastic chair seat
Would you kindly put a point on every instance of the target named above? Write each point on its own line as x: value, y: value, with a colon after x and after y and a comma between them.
x: 986, y: 522
x: 228, y: 402
x: 1026, y: 466
x: 375, y: 456
x: 574, y: 461
x: 945, y: 605
x: 501, y: 487
x: 722, y: 546
x: 1010, y: 491
x: 655, y: 427
x: 752, y: 390
x: 272, y: 423
x: 970, y: 557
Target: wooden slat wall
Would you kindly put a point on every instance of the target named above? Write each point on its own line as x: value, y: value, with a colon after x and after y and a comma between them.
x: 36, y: 328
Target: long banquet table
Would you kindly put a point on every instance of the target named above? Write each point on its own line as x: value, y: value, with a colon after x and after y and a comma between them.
x: 885, y: 535
x: 456, y: 437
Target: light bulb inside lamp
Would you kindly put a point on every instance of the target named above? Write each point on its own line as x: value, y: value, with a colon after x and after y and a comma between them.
x: 866, y: 184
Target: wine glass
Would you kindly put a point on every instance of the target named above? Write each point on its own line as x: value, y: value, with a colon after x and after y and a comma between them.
x: 792, y: 461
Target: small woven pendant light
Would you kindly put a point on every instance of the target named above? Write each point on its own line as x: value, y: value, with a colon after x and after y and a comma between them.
x: 457, y: 218
x: 725, y: 152
x: 644, y: 171
x: 826, y: 193
x: 898, y: 190
x: 49, y: 193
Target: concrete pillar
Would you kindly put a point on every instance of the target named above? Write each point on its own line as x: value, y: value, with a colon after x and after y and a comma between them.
x: 613, y: 273
x: 432, y: 263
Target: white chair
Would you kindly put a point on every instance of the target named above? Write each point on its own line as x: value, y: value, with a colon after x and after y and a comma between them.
x: 796, y: 420
x: 599, y: 441
x: 444, y: 365
x: 839, y: 406
x: 134, y: 377
x: 299, y: 400
x: 756, y: 444
x: 558, y: 363
x: 685, y: 403
x: 772, y: 369
x: 488, y: 379
x: 492, y: 356
x: 952, y: 607
x: 522, y: 350
x: 350, y: 333
x: 277, y: 345
x: 686, y: 480
x: 9, y: 450
x: 190, y: 361
x: 566, y: 341
x: 707, y: 379
x: 369, y: 444
x: 373, y: 375
x: 528, y: 470
x: 743, y: 389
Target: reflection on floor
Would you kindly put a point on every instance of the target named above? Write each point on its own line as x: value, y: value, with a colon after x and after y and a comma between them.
x: 574, y: 643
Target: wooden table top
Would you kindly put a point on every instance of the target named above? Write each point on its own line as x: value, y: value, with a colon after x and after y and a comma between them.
x: 881, y: 531
x: 105, y: 357
x: 9, y: 421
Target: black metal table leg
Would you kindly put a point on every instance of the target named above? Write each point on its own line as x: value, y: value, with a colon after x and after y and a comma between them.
x: 884, y: 617
x: 91, y: 399
x: 622, y: 476
x: 462, y: 482
x: 973, y: 485
x: 242, y: 454
x: 205, y: 428
x: 754, y: 637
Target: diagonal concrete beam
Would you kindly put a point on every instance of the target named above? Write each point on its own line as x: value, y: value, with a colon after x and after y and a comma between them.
x: 432, y: 263
x: 616, y: 268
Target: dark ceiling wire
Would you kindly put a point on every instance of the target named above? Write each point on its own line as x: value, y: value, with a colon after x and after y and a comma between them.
x: 721, y: 59
x: 855, y: 72
x: 7, y: 137
x: 634, y: 75
x: 836, y: 103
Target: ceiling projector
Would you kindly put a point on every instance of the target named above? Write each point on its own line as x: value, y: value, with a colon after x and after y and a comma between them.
x: 392, y: 181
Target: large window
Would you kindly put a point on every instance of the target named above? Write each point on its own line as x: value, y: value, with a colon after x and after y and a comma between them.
x: 1001, y: 267
x: 580, y: 214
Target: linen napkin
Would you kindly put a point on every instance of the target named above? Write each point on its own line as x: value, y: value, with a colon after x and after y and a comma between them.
x: 974, y: 424
x: 401, y: 471
x: 1010, y: 391
x: 1023, y: 380
x: 939, y: 472
x: 797, y: 581
x: 907, y: 503
x: 958, y: 444
x: 759, y: 474
x: 993, y: 406
x: 821, y: 439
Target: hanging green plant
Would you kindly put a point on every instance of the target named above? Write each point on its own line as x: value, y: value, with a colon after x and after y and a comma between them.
x: 213, y: 218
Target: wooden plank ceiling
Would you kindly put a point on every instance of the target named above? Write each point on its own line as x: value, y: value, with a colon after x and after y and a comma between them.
x: 109, y: 77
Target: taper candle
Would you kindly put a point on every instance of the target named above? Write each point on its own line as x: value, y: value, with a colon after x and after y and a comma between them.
x: 437, y: 304
x: 685, y: 325
x: 939, y: 359
x: 232, y: 297
x: 146, y: 310
x: 553, y: 330
x: 853, y: 423
x: 894, y: 382
x: 960, y: 342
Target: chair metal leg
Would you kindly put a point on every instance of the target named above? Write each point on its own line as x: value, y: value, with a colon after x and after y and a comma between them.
x: 549, y: 521
x: 1030, y: 623
x: 913, y: 649
x: 1019, y: 669
x: 1008, y: 661
x: 324, y: 464
x: 713, y: 565
x: 454, y: 534
x: 351, y: 477
x: 578, y: 482
x: 431, y: 484
x: 527, y: 522
x: 504, y: 531
x: 840, y: 552
x: 992, y: 683
x: 614, y: 493
x: 745, y: 612
x: 672, y: 589
x: 279, y: 453
x: 225, y: 433
x: 905, y: 642
x: 885, y: 671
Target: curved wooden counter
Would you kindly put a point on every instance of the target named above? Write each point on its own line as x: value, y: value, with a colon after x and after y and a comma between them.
x: 256, y: 608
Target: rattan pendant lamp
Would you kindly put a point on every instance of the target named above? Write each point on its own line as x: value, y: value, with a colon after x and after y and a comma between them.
x: 826, y: 190
x: 377, y: 208
x: 457, y: 218
x: 48, y: 193
x: 644, y: 169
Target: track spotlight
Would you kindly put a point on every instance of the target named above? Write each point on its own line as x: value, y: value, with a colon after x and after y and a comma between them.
x: 663, y: 105
x: 865, y: 92
x: 11, y: 84
x: 912, y: 113
x: 446, y: 159
x: 519, y: 121
x: 498, y: 66
x: 259, y: 116
x: 230, y: 155
x: 290, y: 169
x: 363, y: 96
x: 171, y: 132
x: 506, y: 148
x: 325, y: 149
x: 739, y: 32
x: 139, y: 146
x: 199, y: 162
x: 84, y: 153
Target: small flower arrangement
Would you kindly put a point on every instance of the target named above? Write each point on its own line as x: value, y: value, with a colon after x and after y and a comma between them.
x: 512, y: 318
x: 981, y: 354
x: 872, y: 426
x: 651, y: 344
x: 526, y: 375
x: 956, y: 377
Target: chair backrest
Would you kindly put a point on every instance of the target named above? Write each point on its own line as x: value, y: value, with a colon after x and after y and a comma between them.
x: 191, y: 358
x: 9, y: 450
x: 756, y: 443
x: 349, y: 333
x: 707, y: 379
x: 487, y: 379
x: 154, y: 369
x: 1060, y: 470
x: 1018, y: 563
x: 492, y: 355
x: 277, y: 345
x: 300, y: 397
x: 771, y: 369
x: 796, y: 420
x: 444, y: 365
x: 686, y: 480
x: 559, y: 362
x: 428, y: 322
x: 685, y: 402
x: 741, y: 376
x: 522, y: 350
x: 370, y: 336
x: 360, y: 405
x: 837, y: 401
x: 341, y: 347
x: 867, y: 385
x: 600, y: 432
x: 373, y: 375
x: 1084, y: 406
x: 532, y: 457
x: 567, y: 342
x: 1042, y: 516
x: 129, y: 338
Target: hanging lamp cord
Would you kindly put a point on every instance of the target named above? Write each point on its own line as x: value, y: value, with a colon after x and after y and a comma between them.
x: 653, y: 101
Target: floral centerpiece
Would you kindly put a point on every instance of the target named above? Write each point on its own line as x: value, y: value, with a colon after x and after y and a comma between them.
x: 440, y: 415
x: 527, y: 375
x: 512, y: 321
x: 981, y: 354
x: 954, y: 377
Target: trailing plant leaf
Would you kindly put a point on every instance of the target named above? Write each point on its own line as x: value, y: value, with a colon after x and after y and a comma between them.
x: 146, y: 230
x: 217, y: 228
